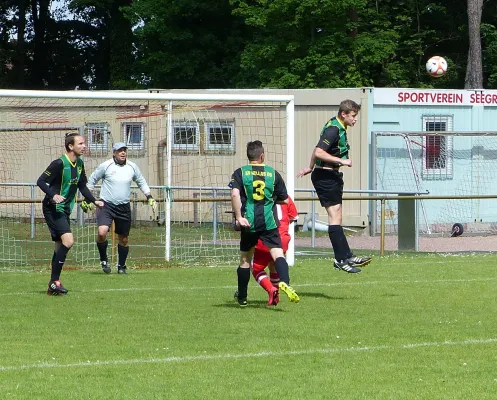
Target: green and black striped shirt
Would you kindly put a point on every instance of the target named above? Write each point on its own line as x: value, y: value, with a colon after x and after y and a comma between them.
x: 260, y: 186
x: 64, y: 177
x: 333, y: 140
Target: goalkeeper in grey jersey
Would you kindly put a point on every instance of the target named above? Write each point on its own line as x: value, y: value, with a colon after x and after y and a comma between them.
x: 116, y: 175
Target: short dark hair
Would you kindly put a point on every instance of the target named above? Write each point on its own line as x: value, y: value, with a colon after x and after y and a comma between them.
x: 347, y: 106
x: 70, y: 139
x: 254, y: 150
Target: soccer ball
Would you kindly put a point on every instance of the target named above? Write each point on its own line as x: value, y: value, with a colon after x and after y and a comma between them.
x: 436, y: 66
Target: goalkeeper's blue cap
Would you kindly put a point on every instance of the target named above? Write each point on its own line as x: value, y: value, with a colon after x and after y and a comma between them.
x: 118, y: 146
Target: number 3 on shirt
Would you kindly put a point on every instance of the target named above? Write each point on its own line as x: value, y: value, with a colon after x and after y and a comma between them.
x: 259, y: 190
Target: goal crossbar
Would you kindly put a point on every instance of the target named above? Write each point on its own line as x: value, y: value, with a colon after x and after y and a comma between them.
x: 117, y: 95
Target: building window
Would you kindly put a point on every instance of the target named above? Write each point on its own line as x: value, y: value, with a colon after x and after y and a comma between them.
x: 97, y: 134
x: 437, y: 149
x: 220, y: 136
x: 134, y: 135
x: 185, y: 136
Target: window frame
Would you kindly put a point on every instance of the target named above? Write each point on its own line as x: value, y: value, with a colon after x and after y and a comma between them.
x: 89, y: 128
x: 216, y: 146
x: 134, y: 145
x: 187, y: 125
x: 441, y: 173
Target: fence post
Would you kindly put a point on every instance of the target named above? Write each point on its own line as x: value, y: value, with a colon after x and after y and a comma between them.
x: 382, y: 229
x: 113, y: 246
x: 134, y: 212
x: 32, y: 212
x: 195, y: 210
x: 313, y: 226
x: 79, y: 212
x: 214, y: 216
x: 407, y: 224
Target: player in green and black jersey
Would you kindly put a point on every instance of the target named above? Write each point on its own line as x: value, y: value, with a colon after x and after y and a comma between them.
x: 262, y: 187
x: 331, y: 153
x: 60, y: 183
x: 255, y: 190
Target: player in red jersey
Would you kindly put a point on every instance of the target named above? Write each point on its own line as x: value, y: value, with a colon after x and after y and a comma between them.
x: 287, y: 213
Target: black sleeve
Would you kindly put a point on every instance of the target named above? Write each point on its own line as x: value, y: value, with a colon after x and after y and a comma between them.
x: 280, y: 193
x: 87, y: 194
x: 52, y: 174
x: 237, y: 180
x: 83, y: 188
x: 328, y: 138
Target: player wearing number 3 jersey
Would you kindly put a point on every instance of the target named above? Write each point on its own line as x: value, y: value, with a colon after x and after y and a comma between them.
x: 261, y: 183
x: 255, y: 190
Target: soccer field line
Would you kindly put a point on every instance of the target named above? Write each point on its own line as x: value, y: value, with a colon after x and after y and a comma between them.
x: 232, y: 287
x: 166, y: 360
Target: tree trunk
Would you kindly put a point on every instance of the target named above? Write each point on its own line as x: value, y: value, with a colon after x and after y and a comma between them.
x: 21, y: 46
x: 41, y: 14
x: 121, y: 47
x: 474, y: 69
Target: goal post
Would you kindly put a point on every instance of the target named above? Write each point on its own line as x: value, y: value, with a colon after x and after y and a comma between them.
x: 186, y: 144
x: 443, y: 163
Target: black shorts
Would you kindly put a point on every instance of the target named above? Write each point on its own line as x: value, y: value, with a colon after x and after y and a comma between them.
x: 57, y: 222
x: 249, y: 239
x: 328, y: 185
x: 120, y: 214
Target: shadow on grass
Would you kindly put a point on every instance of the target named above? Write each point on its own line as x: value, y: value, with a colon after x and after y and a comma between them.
x: 315, y: 295
x: 100, y: 272
x: 251, y: 304
x: 44, y: 293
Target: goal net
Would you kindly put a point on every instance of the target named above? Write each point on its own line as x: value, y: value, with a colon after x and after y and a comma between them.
x: 186, y: 146
x: 444, y: 163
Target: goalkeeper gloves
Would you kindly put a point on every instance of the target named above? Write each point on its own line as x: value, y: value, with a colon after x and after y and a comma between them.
x: 87, y: 206
x: 152, y: 203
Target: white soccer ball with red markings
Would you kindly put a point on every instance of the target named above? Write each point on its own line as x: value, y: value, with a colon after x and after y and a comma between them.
x: 436, y: 66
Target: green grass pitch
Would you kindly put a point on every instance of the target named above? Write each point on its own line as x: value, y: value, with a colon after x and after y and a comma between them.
x: 408, y: 327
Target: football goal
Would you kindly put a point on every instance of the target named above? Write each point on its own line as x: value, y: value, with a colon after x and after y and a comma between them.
x: 186, y: 144
x: 445, y: 163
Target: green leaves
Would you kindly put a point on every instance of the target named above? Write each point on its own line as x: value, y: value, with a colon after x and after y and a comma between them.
x: 489, y: 39
x: 125, y: 44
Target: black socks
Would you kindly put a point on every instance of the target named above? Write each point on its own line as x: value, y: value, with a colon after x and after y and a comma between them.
x: 243, y: 281
x: 102, y: 250
x: 58, y: 262
x: 122, y: 255
x: 282, y: 269
x: 339, y: 242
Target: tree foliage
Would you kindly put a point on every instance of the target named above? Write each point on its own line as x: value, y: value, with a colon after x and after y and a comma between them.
x: 126, y: 44
x: 347, y: 43
x: 187, y: 43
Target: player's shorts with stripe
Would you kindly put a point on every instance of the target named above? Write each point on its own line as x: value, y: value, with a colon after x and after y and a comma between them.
x: 328, y: 185
x: 270, y: 238
x: 119, y: 213
x: 57, y: 222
